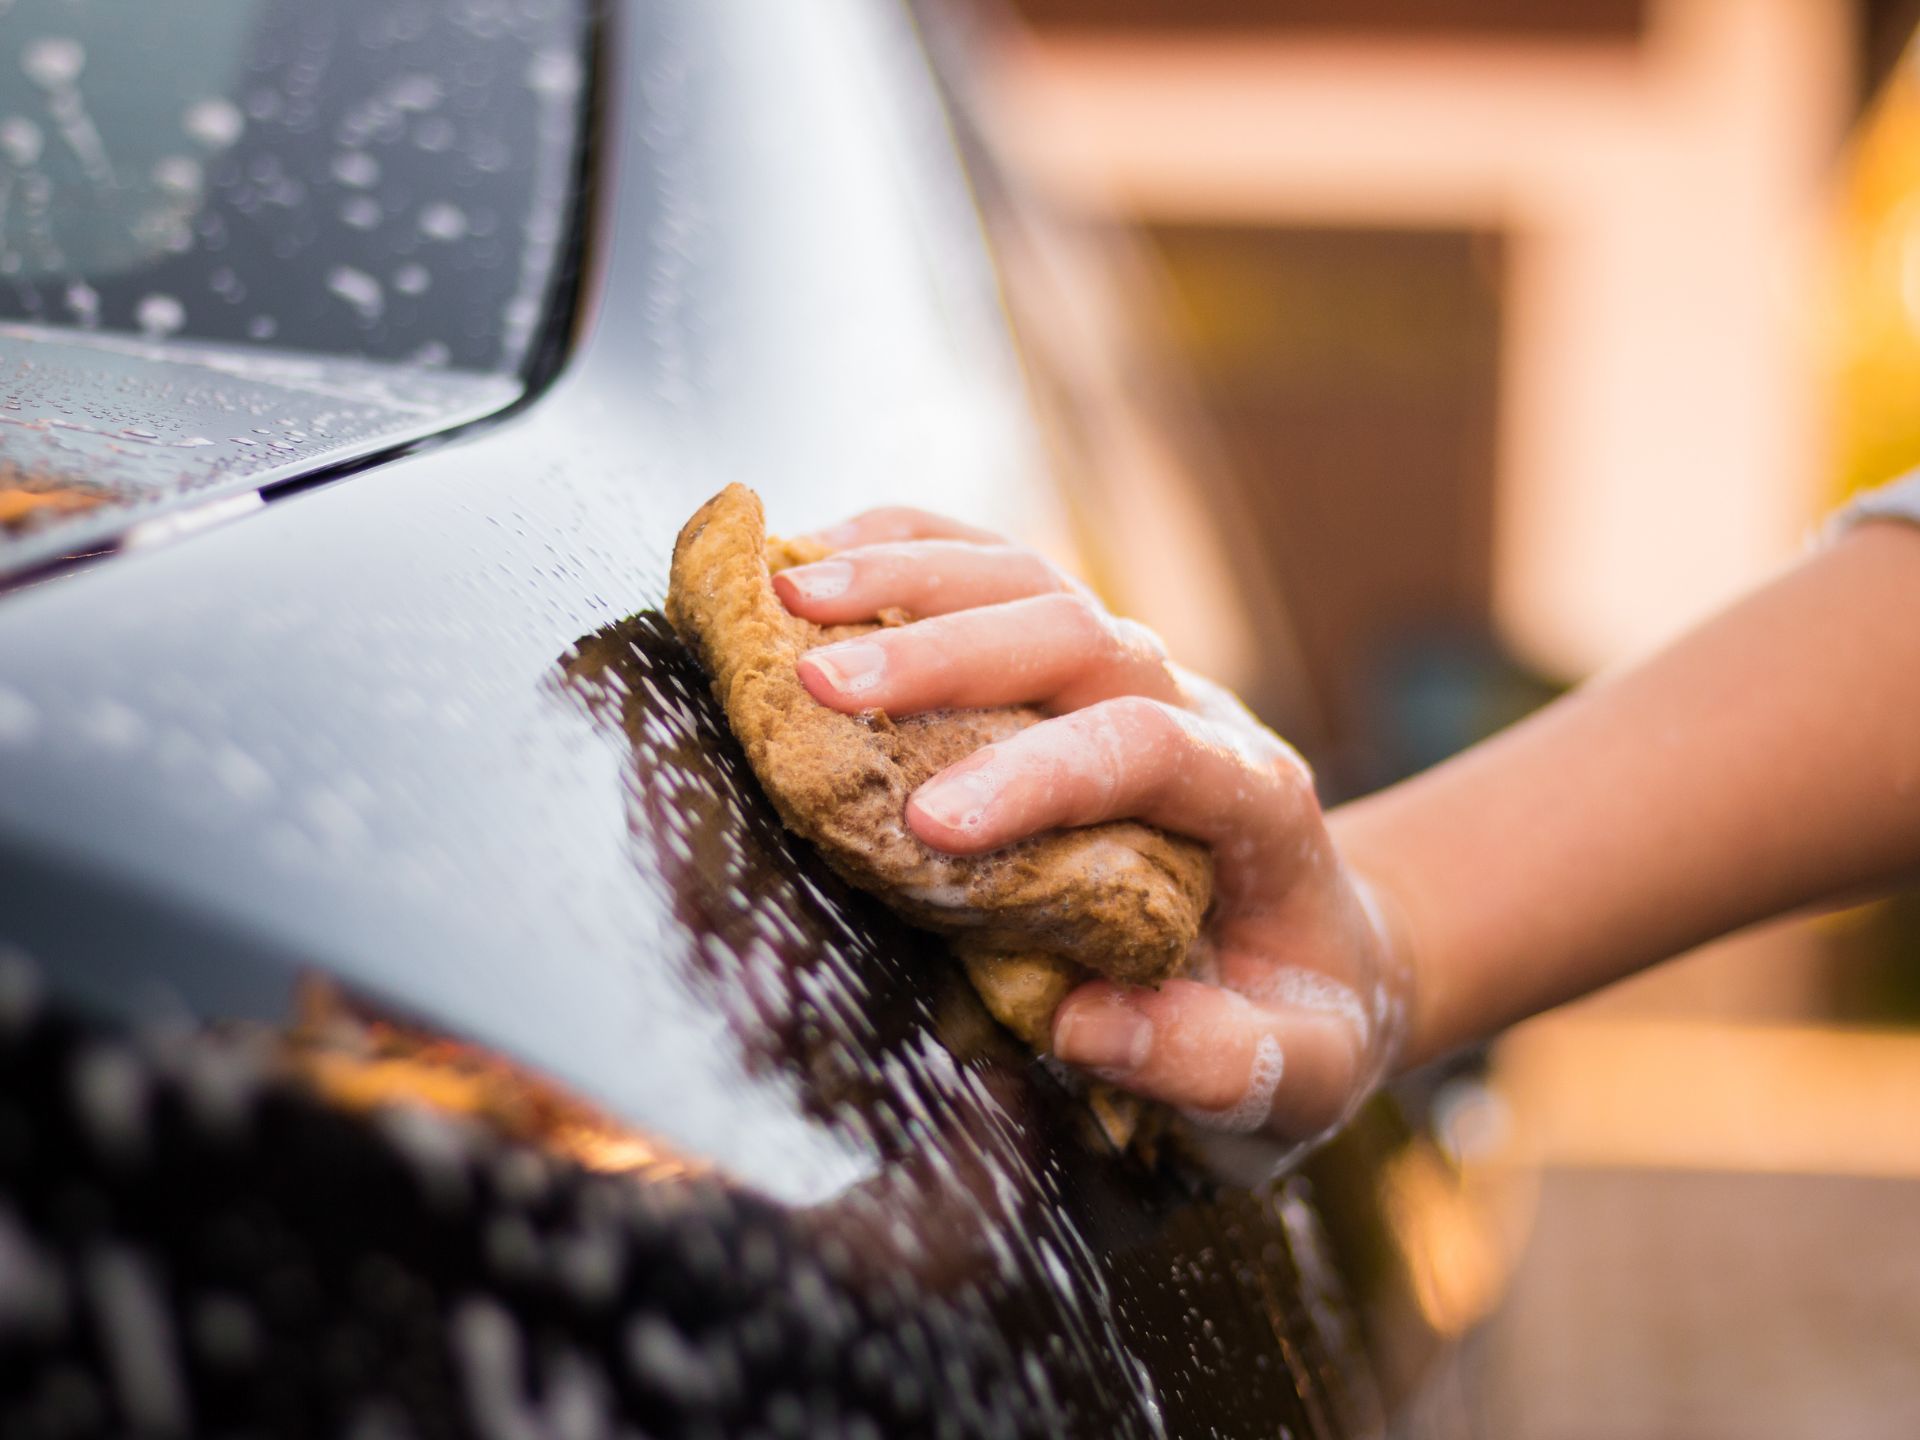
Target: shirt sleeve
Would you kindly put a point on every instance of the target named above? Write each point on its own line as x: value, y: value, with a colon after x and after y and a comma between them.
x: 1898, y: 501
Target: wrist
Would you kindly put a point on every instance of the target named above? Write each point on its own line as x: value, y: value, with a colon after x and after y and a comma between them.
x: 1403, y: 985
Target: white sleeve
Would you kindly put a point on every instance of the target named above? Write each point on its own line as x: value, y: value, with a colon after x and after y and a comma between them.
x: 1898, y: 501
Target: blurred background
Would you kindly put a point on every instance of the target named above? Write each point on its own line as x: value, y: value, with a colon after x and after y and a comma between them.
x: 1516, y: 337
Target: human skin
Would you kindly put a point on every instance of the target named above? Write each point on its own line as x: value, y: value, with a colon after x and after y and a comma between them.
x: 1767, y: 761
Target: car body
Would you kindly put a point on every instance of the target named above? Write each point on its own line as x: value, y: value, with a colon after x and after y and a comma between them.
x: 368, y: 772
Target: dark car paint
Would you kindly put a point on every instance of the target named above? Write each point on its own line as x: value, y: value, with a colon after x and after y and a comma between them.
x: 421, y: 731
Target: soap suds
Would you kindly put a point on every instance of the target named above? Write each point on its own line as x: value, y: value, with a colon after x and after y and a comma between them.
x: 1255, y: 1105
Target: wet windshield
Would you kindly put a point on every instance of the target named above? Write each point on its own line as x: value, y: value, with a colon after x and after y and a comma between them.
x: 385, y: 181
x: 241, y: 239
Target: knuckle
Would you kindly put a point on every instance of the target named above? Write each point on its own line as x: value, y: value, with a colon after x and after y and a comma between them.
x: 1086, y: 612
x: 1106, y: 637
x: 922, y: 522
x: 1285, y: 768
x: 1139, y: 641
x: 1212, y: 699
x: 1257, y: 749
x: 1153, y: 724
x: 1048, y: 577
x: 891, y: 523
x: 1080, y: 617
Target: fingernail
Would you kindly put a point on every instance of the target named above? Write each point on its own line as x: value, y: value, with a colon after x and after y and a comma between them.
x: 958, y: 802
x: 825, y: 580
x: 852, y: 668
x: 1114, y: 1040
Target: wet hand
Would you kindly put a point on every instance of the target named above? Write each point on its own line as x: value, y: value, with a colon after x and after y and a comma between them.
x: 1303, y: 1001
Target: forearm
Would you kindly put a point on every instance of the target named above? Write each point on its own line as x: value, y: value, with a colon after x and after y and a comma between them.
x: 1766, y: 761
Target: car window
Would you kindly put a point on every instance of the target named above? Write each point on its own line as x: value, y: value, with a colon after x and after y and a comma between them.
x: 245, y: 242
x: 361, y: 177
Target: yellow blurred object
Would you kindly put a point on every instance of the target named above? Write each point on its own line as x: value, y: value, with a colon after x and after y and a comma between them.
x: 26, y: 498
x: 1452, y: 1261
x: 1875, y: 314
x: 363, y: 1061
x: 1699, y: 1095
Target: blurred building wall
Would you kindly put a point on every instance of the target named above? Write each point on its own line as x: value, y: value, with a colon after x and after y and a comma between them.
x: 1657, y: 183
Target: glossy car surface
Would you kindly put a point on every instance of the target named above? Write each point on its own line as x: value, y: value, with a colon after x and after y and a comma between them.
x: 412, y: 756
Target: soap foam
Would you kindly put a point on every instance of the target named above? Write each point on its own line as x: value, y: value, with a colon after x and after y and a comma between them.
x: 1255, y: 1105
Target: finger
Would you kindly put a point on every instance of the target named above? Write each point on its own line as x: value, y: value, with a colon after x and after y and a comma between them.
x: 899, y: 522
x: 1059, y: 651
x: 922, y: 577
x: 1242, y: 790
x: 1228, y: 1063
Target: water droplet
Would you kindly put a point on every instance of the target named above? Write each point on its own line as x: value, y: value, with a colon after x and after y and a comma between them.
x: 415, y: 92
x: 244, y: 777
x: 111, y: 724
x: 554, y: 72
x: 443, y: 221
x: 356, y: 168
x: 178, y: 173
x: 53, y: 62
x: 19, y: 719
x: 434, y: 134
x: 358, y: 289
x: 84, y: 301
x: 20, y: 141
x: 159, y: 315
x: 214, y: 122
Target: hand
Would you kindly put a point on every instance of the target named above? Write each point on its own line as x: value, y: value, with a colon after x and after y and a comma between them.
x: 1304, y: 1000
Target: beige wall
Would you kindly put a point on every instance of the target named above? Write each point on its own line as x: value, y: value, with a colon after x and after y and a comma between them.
x: 1662, y: 430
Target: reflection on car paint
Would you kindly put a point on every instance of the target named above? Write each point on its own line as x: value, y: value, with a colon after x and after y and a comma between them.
x: 538, y: 1240
x: 361, y: 1059
x: 195, y: 1247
